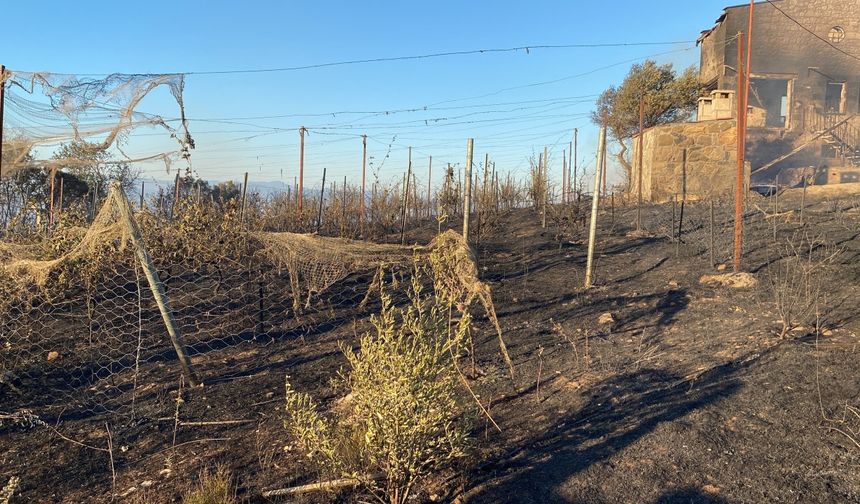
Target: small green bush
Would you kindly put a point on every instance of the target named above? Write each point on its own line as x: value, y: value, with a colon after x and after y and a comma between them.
x: 401, y: 420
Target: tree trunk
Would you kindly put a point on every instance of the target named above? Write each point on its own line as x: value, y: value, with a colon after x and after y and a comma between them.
x: 621, y: 155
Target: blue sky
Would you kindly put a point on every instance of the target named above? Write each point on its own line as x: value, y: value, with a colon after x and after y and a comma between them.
x: 512, y: 103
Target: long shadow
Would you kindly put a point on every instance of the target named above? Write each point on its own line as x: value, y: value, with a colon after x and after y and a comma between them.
x: 621, y: 410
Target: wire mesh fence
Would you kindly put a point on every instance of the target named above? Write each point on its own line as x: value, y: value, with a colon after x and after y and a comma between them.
x: 84, y: 333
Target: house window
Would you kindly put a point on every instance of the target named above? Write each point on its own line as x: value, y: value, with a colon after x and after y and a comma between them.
x: 834, y: 98
x: 836, y: 35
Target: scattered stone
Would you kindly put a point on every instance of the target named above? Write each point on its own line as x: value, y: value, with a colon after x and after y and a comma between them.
x: 721, y: 267
x: 606, y: 319
x: 711, y: 489
x: 128, y: 492
x: 731, y: 280
x: 165, y: 473
x: 147, y: 483
x: 673, y: 284
x: 53, y: 355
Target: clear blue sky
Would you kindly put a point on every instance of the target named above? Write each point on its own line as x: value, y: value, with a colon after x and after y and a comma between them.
x: 503, y: 100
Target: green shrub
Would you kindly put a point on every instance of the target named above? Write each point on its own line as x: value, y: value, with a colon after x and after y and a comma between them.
x: 401, y: 419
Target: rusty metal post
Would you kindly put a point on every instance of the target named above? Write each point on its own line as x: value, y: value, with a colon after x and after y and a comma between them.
x: 244, y: 199
x: 142, y: 192
x: 361, y: 210
x: 739, y: 174
x: 51, y: 200
x: 300, y: 190
x: 467, y: 190
x: 60, y: 201
x: 175, y: 196
x: 595, y: 204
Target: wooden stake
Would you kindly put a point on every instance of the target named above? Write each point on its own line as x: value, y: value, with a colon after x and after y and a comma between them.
x: 322, y: 199
x: 244, y: 199
x: 155, y: 285
x: 300, y: 190
x: 361, y: 210
x: 405, y: 198
x: 641, y: 162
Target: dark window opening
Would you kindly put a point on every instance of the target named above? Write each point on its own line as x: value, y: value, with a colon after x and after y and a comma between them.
x: 834, y: 99
x: 829, y: 151
x: 771, y: 95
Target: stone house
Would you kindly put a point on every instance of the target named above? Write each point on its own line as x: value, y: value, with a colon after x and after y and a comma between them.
x: 804, y: 98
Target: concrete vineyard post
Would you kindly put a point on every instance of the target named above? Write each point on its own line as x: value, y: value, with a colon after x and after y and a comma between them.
x: 595, y: 204
x: 467, y: 190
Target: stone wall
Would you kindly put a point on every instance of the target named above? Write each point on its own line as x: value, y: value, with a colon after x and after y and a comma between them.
x: 711, y: 160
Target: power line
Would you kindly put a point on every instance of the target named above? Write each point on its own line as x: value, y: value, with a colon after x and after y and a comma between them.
x: 811, y: 32
x: 527, y: 49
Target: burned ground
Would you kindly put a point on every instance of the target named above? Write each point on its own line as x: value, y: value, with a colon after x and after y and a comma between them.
x: 686, y: 395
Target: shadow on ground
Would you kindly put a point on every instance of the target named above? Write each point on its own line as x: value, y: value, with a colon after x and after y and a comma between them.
x: 620, y: 411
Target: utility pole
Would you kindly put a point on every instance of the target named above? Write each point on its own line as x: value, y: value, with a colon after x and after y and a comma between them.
x: 595, y: 203
x: 363, y: 166
x: 467, y: 191
x: 300, y: 190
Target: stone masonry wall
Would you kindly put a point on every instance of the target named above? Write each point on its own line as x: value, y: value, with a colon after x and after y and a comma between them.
x: 711, y: 160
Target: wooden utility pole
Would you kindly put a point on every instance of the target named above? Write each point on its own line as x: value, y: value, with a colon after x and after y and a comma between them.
x: 300, y: 189
x: 467, y: 190
x: 641, y: 161
x: 361, y: 210
x: 155, y: 285
x: 595, y: 204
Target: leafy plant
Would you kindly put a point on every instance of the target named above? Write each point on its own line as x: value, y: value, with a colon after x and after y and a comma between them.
x: 402, y: 419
